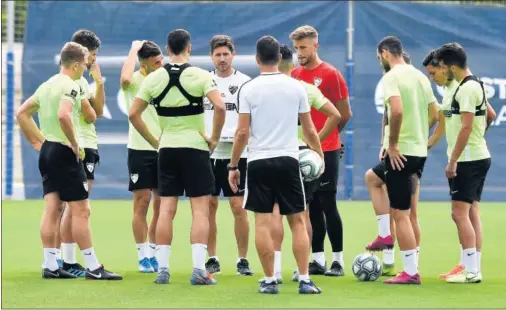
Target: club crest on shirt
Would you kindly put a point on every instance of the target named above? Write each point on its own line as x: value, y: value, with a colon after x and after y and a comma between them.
x: 233, y: 89
x: 85, y: 185
x: 317, y: 81
x: 134, y: 177
x: 90, y: 167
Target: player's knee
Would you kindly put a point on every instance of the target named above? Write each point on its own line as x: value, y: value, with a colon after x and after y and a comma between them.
x: 459, y: 214
x: 82, y: 212
x: 372, y: 179
x: 142, y: 199
x: 296, y: 221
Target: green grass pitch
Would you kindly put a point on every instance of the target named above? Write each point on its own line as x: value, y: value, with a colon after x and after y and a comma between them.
x: 23, y: 287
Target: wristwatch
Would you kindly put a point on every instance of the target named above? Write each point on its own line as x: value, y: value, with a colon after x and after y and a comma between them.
x: 230, y: 168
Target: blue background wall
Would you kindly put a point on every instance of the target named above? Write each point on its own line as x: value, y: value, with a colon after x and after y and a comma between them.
x: 421, y: 27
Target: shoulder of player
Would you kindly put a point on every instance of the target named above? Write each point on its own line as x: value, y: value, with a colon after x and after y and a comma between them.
x: 241, y: 76
x: 327, y: 68
x: 469, y: 87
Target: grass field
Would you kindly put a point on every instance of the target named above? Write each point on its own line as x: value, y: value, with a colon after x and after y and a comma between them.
x: 22, y: 286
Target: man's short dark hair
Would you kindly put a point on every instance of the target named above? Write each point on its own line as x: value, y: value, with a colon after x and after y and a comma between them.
x: 452, y: 54
x: 178, y: 40
x: 148, y: 49
x: 87, y: 39
x: 407, y: 58
x: 221, y: 40
x: 286, y: 53
x: 430, y: 59
x: 391, y: 44
x: 268, y: 50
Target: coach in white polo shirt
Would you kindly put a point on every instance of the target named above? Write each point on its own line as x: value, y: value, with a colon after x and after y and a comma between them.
x: 229, y: 80
x: 269, y: 106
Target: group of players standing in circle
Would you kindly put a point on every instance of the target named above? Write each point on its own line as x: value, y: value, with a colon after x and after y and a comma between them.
x: 187, y: 136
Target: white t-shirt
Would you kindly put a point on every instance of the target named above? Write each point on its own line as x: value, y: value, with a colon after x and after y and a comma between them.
x: 274, y: 101
x: 229, y: 88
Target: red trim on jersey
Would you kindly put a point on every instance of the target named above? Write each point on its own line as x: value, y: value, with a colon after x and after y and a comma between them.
x: 333, y: 86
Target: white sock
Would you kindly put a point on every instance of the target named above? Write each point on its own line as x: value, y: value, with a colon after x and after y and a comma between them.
x: 69, y: 252
x: 277, y: 262
x: 151, y: 250
x: 479, y: 261
x: 199, y: 255
x: 383, y: 225
x: 239, y: 259
x: 417, y: 256
x: 470, y: 259
x: 270, y: 279
x: 409, y: 260
x: 304, y: 278
x: 58, y: 254
x: 50, y: 259
x: 338, y: 257
x: 163, y: 256
x: 388, y: 257
x: 319, y: 257
x: 141, y: 250
x: 90, y: 259
x: 461, y: 256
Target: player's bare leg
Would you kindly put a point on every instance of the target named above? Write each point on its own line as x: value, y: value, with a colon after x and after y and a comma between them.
x: 413, y: 215
x: 48, y: 232
x: 474, y: 215
x: 142, y: 198
x: 300, y: 245
x: 381, y: 205
x: 213, y: 264
x: 80, y: 214
x: 152, y: 230
x: 467, y: 237
x: 199, y: 238
x: 277, y: 234
x: 407, y: 244
x: 265, y: 245
x: 164, y: 234
x: 68, y: 243
x: 241, y: 229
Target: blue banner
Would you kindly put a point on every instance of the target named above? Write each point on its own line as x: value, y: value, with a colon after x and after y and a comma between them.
x: 421, y: 27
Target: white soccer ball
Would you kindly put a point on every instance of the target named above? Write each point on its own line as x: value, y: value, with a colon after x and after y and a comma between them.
x: 311, y: 165
x: 366, y: 267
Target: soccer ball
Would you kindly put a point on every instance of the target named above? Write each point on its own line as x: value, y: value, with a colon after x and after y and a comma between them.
x: 311, y: 165
x: 366, y: 267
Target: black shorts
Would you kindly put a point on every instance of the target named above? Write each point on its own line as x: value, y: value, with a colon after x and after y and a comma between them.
x: 467, y: 186
x: 400, y: 183
x: 274, y: 180
x: 142, y: 169
x: 220, y: 172
x: 184, y: 171
x: 329, y: 178
x: 91, y: 159
x: 381, y: 168
x: 62, y: 172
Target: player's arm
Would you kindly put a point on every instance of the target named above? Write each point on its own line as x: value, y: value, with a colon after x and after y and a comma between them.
x: 240, y: 139
x: 491, y: 115
x: 65, y: 119
x: 439, y: 130
x: 396, y: 112
x: 97, y: 100
x: 341, y: 99
x: 308, y: 129
x: 128, y: 69
x: 333, y: 118
x: 139, y: 105
x: 433, y: 114
x: 88, y: 112
x: 214, y: 97
x: 27, y: 124
x: 135, y: 117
